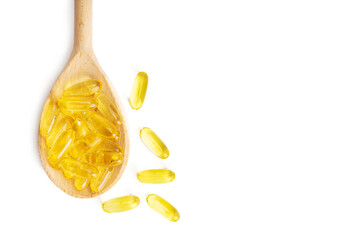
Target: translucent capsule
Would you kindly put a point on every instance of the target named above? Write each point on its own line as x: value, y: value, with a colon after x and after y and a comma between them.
x: 79, y: 169
x: 108, y: 108
x: 62, y: 123
x: 48, y: 117
x: 105, y: 158
x: 121, y: 204
x: 81, y: 129
x: 154, y: 143
x: 156, y: 176
x: 97, y: 184
x: 98, y: 123
x: 61, y: 147
x: 67, y: 174
x: 85, y: 88
x: 138, y: 91
x: 163, y: 207
x: 109, y: 146
x: 78, y: 103
x: 81, y: 183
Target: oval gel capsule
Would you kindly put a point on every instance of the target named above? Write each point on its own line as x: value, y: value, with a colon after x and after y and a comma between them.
x: 81, y: 183
x: 48, y: 117
x: 163, y: 207
x: 98, y: 123
x: 61, y: 147
x: 154, y: 143
x: 156, y: 176
x: 138, y: 90
x: 77, y: 103
x: 97, y: 184
x: 108, y: 108
x: 121, y: 204
x: 85, y: 88
x: 62, y: 123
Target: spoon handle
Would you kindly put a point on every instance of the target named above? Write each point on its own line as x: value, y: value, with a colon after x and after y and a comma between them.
x: 83, y: 25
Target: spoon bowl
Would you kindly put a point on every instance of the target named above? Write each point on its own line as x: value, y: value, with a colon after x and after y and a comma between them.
x: 84, y: 66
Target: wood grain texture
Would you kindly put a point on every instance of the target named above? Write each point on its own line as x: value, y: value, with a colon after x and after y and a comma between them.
x: 83, y: 65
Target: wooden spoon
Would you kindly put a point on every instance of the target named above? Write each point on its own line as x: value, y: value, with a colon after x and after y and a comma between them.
x: 84, y: 66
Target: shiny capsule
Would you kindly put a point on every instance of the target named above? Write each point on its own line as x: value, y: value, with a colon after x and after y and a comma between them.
x: 48, y: 117
x: 109, y: 146
x: 105, y: 158
x: 62, y: 123
x: 121, y: 204
x: 97, y: 184
x: 98, y: 123
x: 67, y: 174
x: 85, y: 88
x: 92, y: 140
x: 138, y: 91
x: 81, y: 183
x: 163, y: 207
x: 61, y: 147
x: 79, y: 169
x: 154, y: 143
x: 77, y: 103
x: 156, y: 176
x: 107, y: 108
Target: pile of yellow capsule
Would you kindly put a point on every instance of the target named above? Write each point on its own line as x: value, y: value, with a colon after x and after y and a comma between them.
x: 81, y: 133
x: 155, y: 176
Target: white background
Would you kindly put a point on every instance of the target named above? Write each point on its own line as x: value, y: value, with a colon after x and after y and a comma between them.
x: 258, y: 102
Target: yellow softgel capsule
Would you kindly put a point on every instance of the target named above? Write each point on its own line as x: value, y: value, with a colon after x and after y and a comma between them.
x: 85, y: 88
x: 48, y: 117
x: 138, y: 90
x: 67, y: 174
x: 156, y: 176
x: 62, y: 145
x: 107, y: 108
x: 105, y: 158
x: 62, y: 123
x: 163, y: 207
x: 92, y: 140
x: 79, y: 169
x: 154, y: 143
x: 98, y: 123
x: 97, y: 184
x: 81, y: 129
x: 121, y: 204
x: 109, y: 146
x: 77, y: 103
x: 81, y: 183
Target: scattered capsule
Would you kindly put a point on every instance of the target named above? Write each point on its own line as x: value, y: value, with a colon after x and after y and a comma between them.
x: 163, y: 207
x: 98, y: 123
x: 105, y: 158
x: 97, y: 184
x: 81, y: 183
x: 121, y: 204
x: 81, y: 129
x: 154, y: 143
x: 61, y: 146
x: 156, y: 176
x: 79, y: 169
x: 85, y: 88
x: 138, y: 90
x: 62, y: 123
x: 78, y: 103
x: 107, y: 108
x: 48, y: 117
